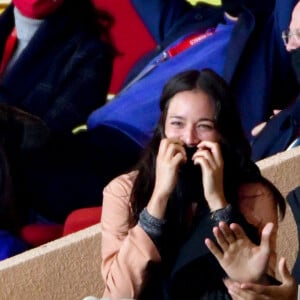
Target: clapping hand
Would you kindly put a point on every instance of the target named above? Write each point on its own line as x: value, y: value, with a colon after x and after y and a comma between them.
x: 242, y: 260
x: 287, y: 290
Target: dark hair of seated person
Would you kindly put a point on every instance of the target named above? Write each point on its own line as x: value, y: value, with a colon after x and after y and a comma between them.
x: 20, y: 133
x: 95, y: 20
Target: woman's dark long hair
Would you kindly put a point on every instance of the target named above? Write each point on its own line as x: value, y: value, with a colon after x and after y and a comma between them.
x: 236, y: 149
x: 95, y: 20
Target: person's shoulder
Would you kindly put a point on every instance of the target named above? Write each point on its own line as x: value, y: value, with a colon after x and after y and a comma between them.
x: 127, y: 178
x: 116, y: 195
x: 122, y: 183
x: 91, y: 45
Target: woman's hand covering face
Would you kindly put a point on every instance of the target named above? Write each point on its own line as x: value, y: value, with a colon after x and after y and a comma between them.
x: 209, y: 158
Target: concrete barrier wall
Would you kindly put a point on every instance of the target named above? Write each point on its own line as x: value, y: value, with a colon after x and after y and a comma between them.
x: 283, y: 170
x: 69, y: 268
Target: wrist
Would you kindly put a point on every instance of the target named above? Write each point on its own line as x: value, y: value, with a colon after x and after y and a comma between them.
x: 157, y: 206
x: 216, y: 203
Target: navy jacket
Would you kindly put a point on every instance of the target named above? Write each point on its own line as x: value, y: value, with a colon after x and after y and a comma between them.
x: 278, y: 134
x: 257, y: 64
x: 62, y: 75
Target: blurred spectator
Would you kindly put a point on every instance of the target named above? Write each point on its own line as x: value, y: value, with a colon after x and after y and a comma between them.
x: 56, y: 59
x: 281, y: 131
x: 55, y: 68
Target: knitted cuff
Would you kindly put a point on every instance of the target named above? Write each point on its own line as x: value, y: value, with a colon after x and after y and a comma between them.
x: 151, y: 225
x: 223, y: 214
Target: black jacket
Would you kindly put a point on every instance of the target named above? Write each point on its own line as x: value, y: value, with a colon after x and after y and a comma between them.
x: 62, y: 75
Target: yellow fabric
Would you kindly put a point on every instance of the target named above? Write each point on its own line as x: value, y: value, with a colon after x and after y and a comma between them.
x: 213, y: 2
x: 3, y: 4
x: 80, y: 128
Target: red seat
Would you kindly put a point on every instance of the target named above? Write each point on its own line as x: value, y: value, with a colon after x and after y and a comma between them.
x: 82, y: 218
x: 38, y: 234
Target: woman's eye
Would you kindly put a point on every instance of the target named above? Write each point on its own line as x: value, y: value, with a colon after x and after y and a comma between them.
x: 205, y: 127
x: 177, y: 123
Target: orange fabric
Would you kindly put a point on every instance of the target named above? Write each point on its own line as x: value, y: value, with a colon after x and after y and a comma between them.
x: 128, y: 253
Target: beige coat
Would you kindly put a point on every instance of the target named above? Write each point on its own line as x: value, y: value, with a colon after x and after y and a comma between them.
x: 127, y: 252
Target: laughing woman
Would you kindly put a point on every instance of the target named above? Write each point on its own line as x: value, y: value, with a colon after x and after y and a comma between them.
x: 195, y: 172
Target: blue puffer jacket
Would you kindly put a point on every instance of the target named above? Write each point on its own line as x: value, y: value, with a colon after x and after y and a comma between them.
x: 257, y: 66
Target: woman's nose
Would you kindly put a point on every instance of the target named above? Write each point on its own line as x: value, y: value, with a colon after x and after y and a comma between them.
x: 191, y: 138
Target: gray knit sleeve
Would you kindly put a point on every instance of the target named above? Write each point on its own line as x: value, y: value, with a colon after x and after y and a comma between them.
x: 152, y: 226
x: 225, y: 214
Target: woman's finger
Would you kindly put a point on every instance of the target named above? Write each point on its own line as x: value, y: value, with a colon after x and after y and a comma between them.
x: 205, y: 155
x: 284, y: 272
x: 266, y: 236
x: 214, y: 149
x: 227, y: 233
x: 221, y: 239
x: 238, y: 231
x: 218, y: 254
